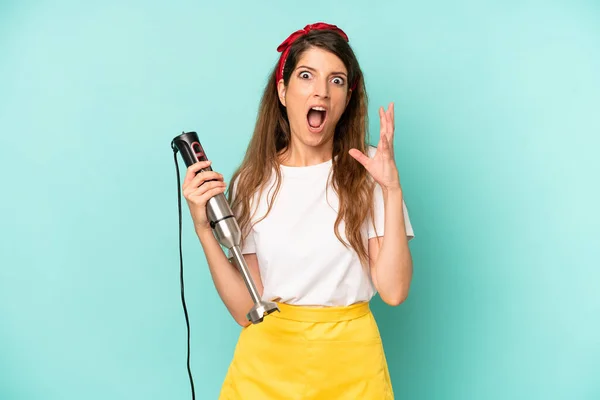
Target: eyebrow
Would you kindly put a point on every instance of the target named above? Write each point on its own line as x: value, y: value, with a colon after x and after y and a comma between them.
x: 312, y: 69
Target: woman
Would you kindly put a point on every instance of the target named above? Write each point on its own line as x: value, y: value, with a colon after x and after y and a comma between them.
x: 325, y: 228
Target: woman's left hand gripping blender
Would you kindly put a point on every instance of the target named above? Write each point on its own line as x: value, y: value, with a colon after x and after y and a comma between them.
x: 224, y: 224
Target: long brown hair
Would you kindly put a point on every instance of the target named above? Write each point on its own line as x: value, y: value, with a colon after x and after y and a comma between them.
x: 271, y: 136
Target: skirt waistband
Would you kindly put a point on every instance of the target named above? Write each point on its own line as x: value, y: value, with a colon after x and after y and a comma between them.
x: 321, y: 314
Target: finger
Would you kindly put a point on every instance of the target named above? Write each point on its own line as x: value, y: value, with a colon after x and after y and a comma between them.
x: 207, y: 186
x: 393, y: 118
x: 360, y: 157
x: 382, y: 122
x: 193, y: 169
x: 390, y: 125
x: 204, y: 198
x: 386, y: 147
x: 197, y: 192
x: 205, y: 176
x: 390, y: 118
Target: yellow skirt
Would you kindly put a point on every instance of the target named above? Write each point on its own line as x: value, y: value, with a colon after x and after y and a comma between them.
x: 310, y: 353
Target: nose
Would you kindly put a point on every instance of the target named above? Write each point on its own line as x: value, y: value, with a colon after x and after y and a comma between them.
x: 321, y: 88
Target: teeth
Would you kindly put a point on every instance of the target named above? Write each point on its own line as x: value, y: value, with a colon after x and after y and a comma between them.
x: 318, y: 108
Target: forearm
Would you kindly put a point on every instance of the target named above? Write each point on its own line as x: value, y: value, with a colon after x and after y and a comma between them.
x: 227, y: 279
x: 393, y: 268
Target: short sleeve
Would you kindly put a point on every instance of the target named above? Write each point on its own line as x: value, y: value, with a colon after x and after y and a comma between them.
x: 249, y: 245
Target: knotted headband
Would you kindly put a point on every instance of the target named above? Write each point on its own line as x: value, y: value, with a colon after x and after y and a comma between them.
x: 286, y: 45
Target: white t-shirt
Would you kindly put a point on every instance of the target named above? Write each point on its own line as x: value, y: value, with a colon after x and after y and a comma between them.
x: 301, y: 261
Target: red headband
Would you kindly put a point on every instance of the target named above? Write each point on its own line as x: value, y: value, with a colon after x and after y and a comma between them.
x: 287, y: 43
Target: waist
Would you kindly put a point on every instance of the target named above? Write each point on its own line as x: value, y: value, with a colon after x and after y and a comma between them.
x: 321, y: 314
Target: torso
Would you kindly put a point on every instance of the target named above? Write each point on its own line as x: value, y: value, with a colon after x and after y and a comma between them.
x: 301, y: 260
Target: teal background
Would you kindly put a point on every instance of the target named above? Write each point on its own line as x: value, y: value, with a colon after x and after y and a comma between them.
x: 497, y: 115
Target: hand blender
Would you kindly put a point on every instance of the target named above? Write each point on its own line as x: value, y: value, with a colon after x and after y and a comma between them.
x: 224, y: 224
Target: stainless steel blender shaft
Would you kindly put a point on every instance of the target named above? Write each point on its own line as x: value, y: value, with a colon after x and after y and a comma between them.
x: 228, y: 234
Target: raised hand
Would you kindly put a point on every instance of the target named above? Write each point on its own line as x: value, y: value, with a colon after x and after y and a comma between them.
x: 382, y: 166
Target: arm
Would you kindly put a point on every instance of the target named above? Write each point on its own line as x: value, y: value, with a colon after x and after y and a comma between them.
x: 198, y: 188
x: 228, y: 279
x: 390, y: 258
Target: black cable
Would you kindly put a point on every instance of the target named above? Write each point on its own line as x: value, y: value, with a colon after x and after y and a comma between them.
x: 187, y: 321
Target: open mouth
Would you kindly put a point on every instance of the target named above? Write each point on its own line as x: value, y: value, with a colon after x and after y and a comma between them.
x: 316, y: 119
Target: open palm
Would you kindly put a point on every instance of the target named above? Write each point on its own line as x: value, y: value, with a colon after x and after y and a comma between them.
x: 382, y: 166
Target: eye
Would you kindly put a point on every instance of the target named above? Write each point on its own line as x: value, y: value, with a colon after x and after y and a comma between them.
x: 304, y: 75
x: 338, y: 81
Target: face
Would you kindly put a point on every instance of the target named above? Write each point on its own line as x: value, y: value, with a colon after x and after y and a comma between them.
x: 316, y: 96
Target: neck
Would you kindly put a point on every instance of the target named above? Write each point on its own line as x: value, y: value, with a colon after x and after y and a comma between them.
x: 301, y: 155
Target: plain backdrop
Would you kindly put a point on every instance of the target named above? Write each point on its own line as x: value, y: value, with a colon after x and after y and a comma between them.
x: 497, y: 126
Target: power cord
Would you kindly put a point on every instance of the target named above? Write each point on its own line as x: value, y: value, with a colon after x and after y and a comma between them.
x: 187, y: 321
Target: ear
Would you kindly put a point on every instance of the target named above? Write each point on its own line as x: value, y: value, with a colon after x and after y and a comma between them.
x: 281, y: 91
x: 348, y: 97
